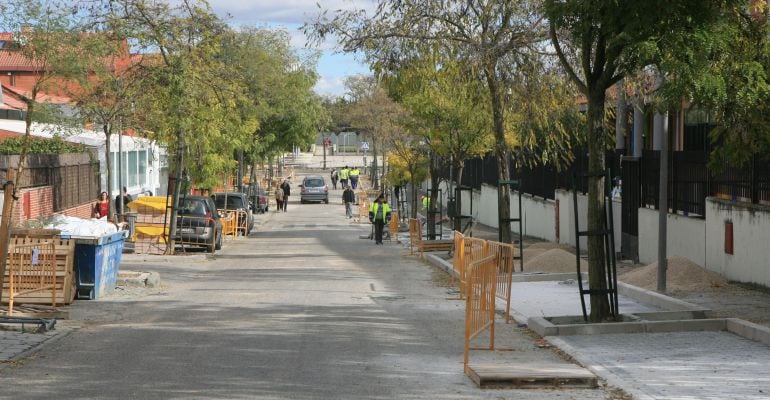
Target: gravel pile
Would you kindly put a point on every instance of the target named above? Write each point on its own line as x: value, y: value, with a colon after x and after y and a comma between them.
x: 682, y: 275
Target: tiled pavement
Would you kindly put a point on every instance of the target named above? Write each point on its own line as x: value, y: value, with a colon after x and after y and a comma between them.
x: 14, y: 343
x: 676, y: 366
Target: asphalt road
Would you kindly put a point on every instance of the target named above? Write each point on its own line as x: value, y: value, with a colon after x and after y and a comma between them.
x: 302, y: 309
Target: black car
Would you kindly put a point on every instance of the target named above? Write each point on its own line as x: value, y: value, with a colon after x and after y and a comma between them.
x: 235, y: 201
x: 198, y: 223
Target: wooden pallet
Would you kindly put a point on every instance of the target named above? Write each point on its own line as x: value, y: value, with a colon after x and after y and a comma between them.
x: 36, y: 311
x: 65, y: 276
x: 531, y: 376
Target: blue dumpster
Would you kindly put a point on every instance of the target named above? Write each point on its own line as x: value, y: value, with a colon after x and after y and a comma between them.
x: 97, y: 261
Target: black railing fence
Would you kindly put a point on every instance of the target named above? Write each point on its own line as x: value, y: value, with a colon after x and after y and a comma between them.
x: 690, y: 179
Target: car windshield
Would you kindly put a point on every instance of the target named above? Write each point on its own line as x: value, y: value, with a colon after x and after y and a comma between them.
x: 193, y: 207
x: 233, y: 202
x: 315, y: 182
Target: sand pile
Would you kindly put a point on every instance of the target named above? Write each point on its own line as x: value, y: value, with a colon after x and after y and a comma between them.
x: 682, y: 275
x: 552, y: 261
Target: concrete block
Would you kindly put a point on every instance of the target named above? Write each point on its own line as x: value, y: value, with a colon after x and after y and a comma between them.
x: 440, y: 263
x: 542, y: 326
x: 656, y: 299
x: 601, y: 328
x: 695, y: 325
x: 749, y: 330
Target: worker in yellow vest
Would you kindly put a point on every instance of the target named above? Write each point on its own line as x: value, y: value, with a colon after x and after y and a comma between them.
x: 354, y: 173
x: 344, y: 175
x: 379, y: 215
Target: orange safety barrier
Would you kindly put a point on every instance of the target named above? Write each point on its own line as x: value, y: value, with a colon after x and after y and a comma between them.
x: 473, y: 250
x: 458, y: 256
x: 504, y: 253
x: 480, y: 303
x: 393, y: 226
x: 31, y: 269
x: 415, y: 240
x: 363, y: 211
x: 229, y: 223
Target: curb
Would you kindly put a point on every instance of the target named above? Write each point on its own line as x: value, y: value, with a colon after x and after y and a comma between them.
x: 150, y: 258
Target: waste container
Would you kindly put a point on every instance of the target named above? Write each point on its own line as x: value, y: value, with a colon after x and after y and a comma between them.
x: 97, y: 261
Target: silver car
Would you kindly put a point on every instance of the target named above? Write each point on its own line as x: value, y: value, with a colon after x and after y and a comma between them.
x: 314, y: 188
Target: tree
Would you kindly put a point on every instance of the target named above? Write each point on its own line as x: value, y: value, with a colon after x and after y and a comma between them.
x: 493, y: 37
x: 56, y: 44
x: 597, y: 43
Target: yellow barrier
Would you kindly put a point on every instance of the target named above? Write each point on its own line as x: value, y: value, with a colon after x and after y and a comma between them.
x: 480, y: 303
x: 458, y: 256
x: 415, y: 234
x: 473, y: 250
x: 363, y: 211
x: 31, y: 269
x: 504, y: 253
x: 229, y: 223
x: 393, y: 227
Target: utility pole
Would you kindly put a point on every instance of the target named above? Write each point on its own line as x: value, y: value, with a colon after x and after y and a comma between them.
x: 661, y: 123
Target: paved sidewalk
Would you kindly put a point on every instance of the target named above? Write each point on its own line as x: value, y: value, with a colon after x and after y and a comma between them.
x: 679, y: 365
x: 14, y: 343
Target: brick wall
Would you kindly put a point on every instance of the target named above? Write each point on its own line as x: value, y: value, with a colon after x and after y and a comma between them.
x: 81, y: 211
x: 33, y: 203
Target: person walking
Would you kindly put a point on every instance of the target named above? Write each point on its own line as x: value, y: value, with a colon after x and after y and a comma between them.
x: 335, y: 177
x: 278, y: 193
x: 126, y: 199
x: 286, y: 187
x: 348, y: 197
x: 379, y: 215
x: 102, y: 206
x: 354, y: 173
x: 344, y: 175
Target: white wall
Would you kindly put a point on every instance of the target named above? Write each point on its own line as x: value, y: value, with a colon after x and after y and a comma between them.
x: 750, y: 261
x: 685, y: 237
x: 702, y: 240
x: 567, y: 218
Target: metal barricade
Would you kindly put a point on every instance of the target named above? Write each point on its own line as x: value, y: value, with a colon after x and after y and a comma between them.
x: 197, y: 231
x: 480, y: 303
x: 229, y: 223
x: 415, y: 234
x: 241, y: 222
x: 363, y: 211
x: 393, y: 227
x: 505, y: 257
x: 31, y: 268
x: 457, y: 256
x: 473, y: 250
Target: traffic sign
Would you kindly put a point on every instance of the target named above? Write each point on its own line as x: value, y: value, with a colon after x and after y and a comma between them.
x: 364, y: 145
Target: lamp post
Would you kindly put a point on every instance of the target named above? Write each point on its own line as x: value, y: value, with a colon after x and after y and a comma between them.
x: 120, y: 169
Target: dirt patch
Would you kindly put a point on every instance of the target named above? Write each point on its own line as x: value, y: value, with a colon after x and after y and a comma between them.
x: 553, y: 261
x: 682, y: 275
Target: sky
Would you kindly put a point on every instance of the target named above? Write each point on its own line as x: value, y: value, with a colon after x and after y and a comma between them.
x: 333, y: 67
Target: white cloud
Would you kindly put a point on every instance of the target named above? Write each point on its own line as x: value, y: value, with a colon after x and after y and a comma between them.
x: 330, y: 86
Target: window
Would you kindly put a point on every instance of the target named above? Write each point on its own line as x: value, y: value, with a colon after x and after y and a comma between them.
x: 142, y: 168
x: 133, y: 157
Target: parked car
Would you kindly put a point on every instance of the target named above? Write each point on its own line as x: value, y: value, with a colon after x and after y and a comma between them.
x: 258, y: 199
x: 198, y: 223
x: 314, y: 188
x: 235, y: 201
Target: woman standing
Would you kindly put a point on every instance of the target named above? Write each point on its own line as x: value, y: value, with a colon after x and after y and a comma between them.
x: 278, y: 193
x: 102, y: 206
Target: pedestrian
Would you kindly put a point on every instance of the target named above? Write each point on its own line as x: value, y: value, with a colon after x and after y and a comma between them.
x: 278, y: 193
x: 348, y: 197
x: 425, y: 203
x: 335, y: 177
x: 354, y: 173
x: 126, y: 199
x: 286, y: 187
x: 379, y: 215
x: 344, y: 175
x: 102, y: 206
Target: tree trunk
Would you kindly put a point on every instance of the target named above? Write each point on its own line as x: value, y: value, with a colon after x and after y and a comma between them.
x: 413, y: 198
x: 501, y: 153
x: 171, y: 243
x: 108, y: 163
x: 433, y: 209
x: 600, y: 306
x: 375, y: 179
x: 458, y: 199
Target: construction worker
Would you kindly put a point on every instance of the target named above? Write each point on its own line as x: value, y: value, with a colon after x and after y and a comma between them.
x: 379, y: 215
x: 425, y: 203
x: 344, y: 175
x: 354, y: 173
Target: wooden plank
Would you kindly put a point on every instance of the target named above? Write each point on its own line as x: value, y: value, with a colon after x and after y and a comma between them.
x: 531, y: 376
x: 36, y: 311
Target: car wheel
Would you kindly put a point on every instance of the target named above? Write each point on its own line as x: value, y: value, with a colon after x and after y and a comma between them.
x: 218, y: 244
